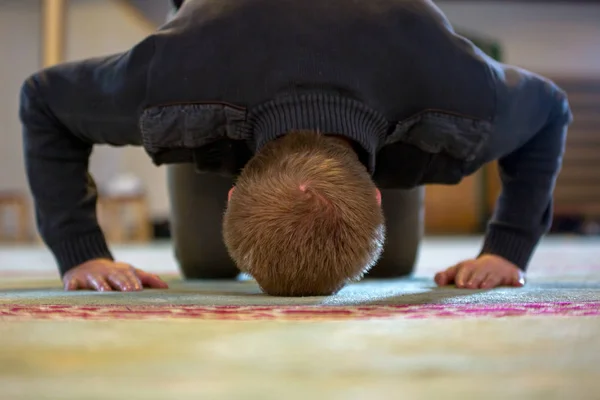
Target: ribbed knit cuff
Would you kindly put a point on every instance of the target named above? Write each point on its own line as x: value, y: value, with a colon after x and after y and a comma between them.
x: 513, y: 246
x: 73, y: 251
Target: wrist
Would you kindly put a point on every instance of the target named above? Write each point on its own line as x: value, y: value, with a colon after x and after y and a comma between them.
x: 511, y: 245
x: 498, y: 258
x: 74, y: 251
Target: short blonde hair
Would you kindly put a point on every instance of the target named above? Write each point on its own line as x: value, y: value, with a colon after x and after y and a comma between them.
x: 304, y: 219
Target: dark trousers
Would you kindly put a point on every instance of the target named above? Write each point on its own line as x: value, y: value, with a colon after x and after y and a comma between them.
x: 198, y: 202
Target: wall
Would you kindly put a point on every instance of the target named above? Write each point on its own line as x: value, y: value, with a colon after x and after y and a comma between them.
x: 553, y: 39
x: 20, y: 56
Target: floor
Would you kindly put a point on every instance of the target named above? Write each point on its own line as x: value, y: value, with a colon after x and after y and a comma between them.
x: 382, y: 340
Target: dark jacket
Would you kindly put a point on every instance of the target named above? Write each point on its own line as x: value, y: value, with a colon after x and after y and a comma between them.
x: 224, y: 77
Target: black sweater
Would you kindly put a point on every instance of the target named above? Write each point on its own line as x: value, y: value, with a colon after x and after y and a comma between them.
x: 224, y: 77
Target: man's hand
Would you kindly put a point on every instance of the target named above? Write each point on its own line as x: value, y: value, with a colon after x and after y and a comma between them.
x: 106, y: 275
x: 485, y: 272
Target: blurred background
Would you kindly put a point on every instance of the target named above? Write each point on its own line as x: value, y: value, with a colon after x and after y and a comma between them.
x: 560, y: 39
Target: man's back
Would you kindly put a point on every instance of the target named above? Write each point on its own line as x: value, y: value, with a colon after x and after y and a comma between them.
x: 398, y: 57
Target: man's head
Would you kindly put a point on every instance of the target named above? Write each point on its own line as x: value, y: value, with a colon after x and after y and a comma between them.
x: 305, y: 216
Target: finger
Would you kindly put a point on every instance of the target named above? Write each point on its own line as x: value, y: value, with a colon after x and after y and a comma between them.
x: 518, y: 279
x: 134, y: 282
x: 71, y: 284
x: 463, y: 275
x: 98, y: 283
x: 451, y: 273
x: 446, y: 277
x: 477, y: 278
x: 441, y: 278
x: 492, y: 280
x: 151, y: 280
x: 123, y: 282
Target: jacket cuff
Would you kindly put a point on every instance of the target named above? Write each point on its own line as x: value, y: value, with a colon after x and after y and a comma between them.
x: 513, y: 246
x: 74, y: 251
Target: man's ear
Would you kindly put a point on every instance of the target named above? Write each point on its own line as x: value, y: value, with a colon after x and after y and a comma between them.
x: 378, y: 194
x: 230, y: 193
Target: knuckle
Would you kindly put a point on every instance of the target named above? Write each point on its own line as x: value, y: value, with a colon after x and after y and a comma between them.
x: 466, y: 267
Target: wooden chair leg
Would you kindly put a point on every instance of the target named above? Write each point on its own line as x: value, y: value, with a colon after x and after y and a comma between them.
x: 2, y: 222
x: 141, y: 230
x: 16, y: 205
x: 115, y: 226
x: 145, y: 229
x: 116, y: 223
x: 22, y: 222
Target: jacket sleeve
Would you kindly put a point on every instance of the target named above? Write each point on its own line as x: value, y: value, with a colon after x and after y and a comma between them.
x: 535, y: 115
x: 65, y: 110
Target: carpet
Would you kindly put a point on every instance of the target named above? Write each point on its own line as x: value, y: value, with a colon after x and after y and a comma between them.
x: 376, y: 339
x: 244, y: 313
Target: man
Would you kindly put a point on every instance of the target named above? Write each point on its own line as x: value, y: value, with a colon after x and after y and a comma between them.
x: 312, y: 107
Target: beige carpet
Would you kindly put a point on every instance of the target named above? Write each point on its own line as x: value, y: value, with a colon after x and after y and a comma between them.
x: 381, y: 340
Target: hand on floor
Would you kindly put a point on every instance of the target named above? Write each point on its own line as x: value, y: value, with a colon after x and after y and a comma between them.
x: 485, y: 272
x: 106, y: 275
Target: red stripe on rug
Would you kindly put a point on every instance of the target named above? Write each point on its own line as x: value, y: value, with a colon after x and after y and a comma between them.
x: 412, y: 311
